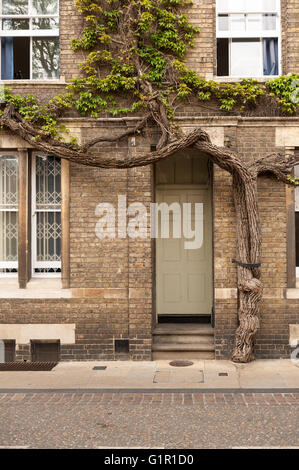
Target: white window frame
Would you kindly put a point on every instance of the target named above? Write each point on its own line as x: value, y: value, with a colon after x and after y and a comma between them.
x: 31, y: 33
x: 39, y: 264
x: 10, y: 264
x: 260, y: 34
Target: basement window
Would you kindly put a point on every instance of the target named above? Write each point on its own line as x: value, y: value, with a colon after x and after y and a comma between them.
x: 248, y: 34
x: 29, y: 31
x: 9, y: 350
x: 121, y: 346
x: 45, y: 350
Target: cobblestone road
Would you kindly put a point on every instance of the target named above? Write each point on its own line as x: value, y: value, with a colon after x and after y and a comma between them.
x: 154, y: 420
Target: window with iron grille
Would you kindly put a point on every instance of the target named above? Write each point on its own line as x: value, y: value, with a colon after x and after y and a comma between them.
x: 248, y: 38
x: 8, y: 214
x: 29, y: 32
x: 45, y: 217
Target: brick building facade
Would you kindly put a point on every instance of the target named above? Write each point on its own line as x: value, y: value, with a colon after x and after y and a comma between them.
x: 104, y: 303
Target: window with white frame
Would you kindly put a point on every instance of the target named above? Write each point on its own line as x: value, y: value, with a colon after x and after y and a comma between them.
x: 8, y: 214
x: 248, y: 38
x: 45, y: 213
x: 297, y: 222
x: 29, y: 39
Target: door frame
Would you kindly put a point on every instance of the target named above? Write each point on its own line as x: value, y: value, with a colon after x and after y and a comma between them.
x: 165, y: 187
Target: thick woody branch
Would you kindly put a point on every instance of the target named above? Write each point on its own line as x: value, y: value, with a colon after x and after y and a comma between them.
x: 278, y: 164
x: 51, y: 147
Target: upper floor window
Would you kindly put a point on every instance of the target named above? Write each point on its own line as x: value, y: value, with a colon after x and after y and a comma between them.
x: 248, y: 33
x: 29, y: 39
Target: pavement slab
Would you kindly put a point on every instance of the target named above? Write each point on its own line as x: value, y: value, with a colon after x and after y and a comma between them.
x: 154, y: 375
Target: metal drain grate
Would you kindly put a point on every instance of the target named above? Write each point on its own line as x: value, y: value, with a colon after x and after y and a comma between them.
x: 29, y: 366
x: 223, y: 374
x: 99, y: 368
x: 181, y: 363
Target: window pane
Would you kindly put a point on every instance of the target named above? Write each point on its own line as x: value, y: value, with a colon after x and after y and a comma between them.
x: 48, y: 183
x: 237, y: 22
x: 8, y: 236
x: 15, y: 58
x: 8, y: 214
x: 269, y: 5
x: 223, y: 24
x: 48, y: 215
x: 8, y: 24
x: 45, y: 7
x: 45, y: 23
x: 222, y: 57
x: 45, y: 58
x: 254, y: 22
x: 254, y: 6
x: 8, y: 182
x: 14, y: 7
x: 48, y: 236
x: 246, y: 58
x: 269, y: 22
x: 270, y: 46
x: 227, y: 6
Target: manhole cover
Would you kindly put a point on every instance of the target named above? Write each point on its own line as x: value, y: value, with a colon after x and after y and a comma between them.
x: 180, y: 363
x: 29, y: 366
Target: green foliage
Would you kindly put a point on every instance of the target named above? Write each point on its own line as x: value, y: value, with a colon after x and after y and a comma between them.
x: 283, y: 89
x: 45, y: 117
x: 294, y: 180
x: 121, y: 34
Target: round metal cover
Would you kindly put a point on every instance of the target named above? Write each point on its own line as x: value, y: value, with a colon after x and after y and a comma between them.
x: 180, y: 363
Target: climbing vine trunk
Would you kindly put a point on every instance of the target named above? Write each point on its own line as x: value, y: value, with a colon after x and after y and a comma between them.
x: 248, y: 266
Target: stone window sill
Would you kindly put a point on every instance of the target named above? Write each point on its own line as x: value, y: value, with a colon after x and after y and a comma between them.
x: 53, y: 81
x: 37, y: 288
x: 293, y: 293
x: 239, y: 79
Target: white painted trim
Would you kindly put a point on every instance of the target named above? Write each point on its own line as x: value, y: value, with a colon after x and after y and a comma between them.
x: 29, y: 33
x: 262, y: 34
x: 220, y: 11
x: 34, y: 262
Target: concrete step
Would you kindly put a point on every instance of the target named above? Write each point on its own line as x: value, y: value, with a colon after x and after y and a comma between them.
x: 183, y: 341
x: 183, y: 347
x: 183, y: 328
x: 183, y: 338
